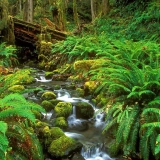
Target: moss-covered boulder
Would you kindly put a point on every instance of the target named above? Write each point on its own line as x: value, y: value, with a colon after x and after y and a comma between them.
x: 52, y: 134
x: 47, y: 105
x: 61, y: 122
x: 55, y: 101
x: 64, y: 146
x: 39, y: 126
x: 89, y: 87
x: 48, y: 95
x: 80, y: 92
x: 16, y: 88
x: 84, y: 110
x: 38, y: 115
x: 63, y: 109
x: 20, y: 77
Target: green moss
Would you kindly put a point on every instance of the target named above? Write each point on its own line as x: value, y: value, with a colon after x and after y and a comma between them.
x: 60, y: 146
x: 38, y: 115
x: 90, y: 86
x: 16, y: 88
x: 61, y: 122
x: 40, y: 124
x: 84, y: 110
x: 47, y: 105
x: 56, y: 132
x: 80, y: 92
x: 48, y: 74
x: 52, y: 134
x: 54, y: 101
x: 48, y: 95
x: 86, y: 65
x: 63, y: 109
x: 20, y: 77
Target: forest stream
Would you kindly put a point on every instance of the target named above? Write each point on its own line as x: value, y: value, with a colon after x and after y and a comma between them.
x: 88, y: 132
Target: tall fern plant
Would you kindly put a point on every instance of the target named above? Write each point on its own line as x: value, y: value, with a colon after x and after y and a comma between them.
x: 134, y: 91
x: 17, y: 138
x: 7, y: 55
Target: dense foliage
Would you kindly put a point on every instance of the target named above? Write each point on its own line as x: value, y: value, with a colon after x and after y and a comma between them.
x: 119, y: 51
x: 129, y: 77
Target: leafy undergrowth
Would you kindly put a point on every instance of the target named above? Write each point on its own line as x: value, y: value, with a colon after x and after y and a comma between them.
x: 127, y: 41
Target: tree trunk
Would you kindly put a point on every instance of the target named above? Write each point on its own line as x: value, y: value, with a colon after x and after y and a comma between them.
x: 92, y: 10
x: 105, y: 7
x: 75, y: 14
x: 28, y: 11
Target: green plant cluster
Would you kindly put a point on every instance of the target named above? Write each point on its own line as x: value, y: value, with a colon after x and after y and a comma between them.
x: 8, y: 57
x: 128, y: 75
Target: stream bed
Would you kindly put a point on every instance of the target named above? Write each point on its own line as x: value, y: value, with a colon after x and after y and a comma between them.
x: 88, y: 132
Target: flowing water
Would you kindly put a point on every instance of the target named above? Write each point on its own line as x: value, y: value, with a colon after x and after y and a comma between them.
x: 91, y: 137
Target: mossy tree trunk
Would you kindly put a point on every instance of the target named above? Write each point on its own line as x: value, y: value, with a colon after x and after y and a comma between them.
x: 75, y: 14
x: 28, y: 11
x: 62, y: 14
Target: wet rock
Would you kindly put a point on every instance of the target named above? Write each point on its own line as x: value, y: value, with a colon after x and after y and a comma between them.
x: 77, y: 156
x: 52, y: 134
x: 16, y: 88
x: 84, y: 110
x: 63, y: 109
x: 60, y: 122
x: 47, y: 105
x: 60, y: 77
x: 63, y: 147
x: 48, y: 95
x: 79, y: 125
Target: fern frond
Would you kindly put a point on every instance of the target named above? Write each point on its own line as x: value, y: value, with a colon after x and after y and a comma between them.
x: 10, y: 112
x: 144, y: 143
x: 157, y: 145
x: 3, y: 140
x: 151, y: 110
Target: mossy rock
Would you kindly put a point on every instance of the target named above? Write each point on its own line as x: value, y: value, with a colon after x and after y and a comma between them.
x: 80, y: 92
x: 48, y: 95
x: 55, y: 101
x: 52, y: 134
x: 48, y: 74
x: 84, y: 110
x: 47, y: 105
x: 40, y: 126
x: 61, y: 122
x: 38, y: 115
x: 89, y: 87
x: 20, y: 77
x: 63, y: 146
x: 63, y: 109
x: 16, y: 88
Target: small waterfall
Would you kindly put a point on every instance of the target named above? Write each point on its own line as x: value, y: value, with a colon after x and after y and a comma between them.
x: 99, y: 120
x: 95, y: 152
x: 74, y: 111
x: 43, y: 79
x: 88, y: 132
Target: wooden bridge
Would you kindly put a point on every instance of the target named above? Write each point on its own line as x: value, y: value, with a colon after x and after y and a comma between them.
x: 28, y: 32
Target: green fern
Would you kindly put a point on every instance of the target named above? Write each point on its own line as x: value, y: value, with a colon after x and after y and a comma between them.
x: 7, y: 56
x: 3, y: 140
x: 15, y: 111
